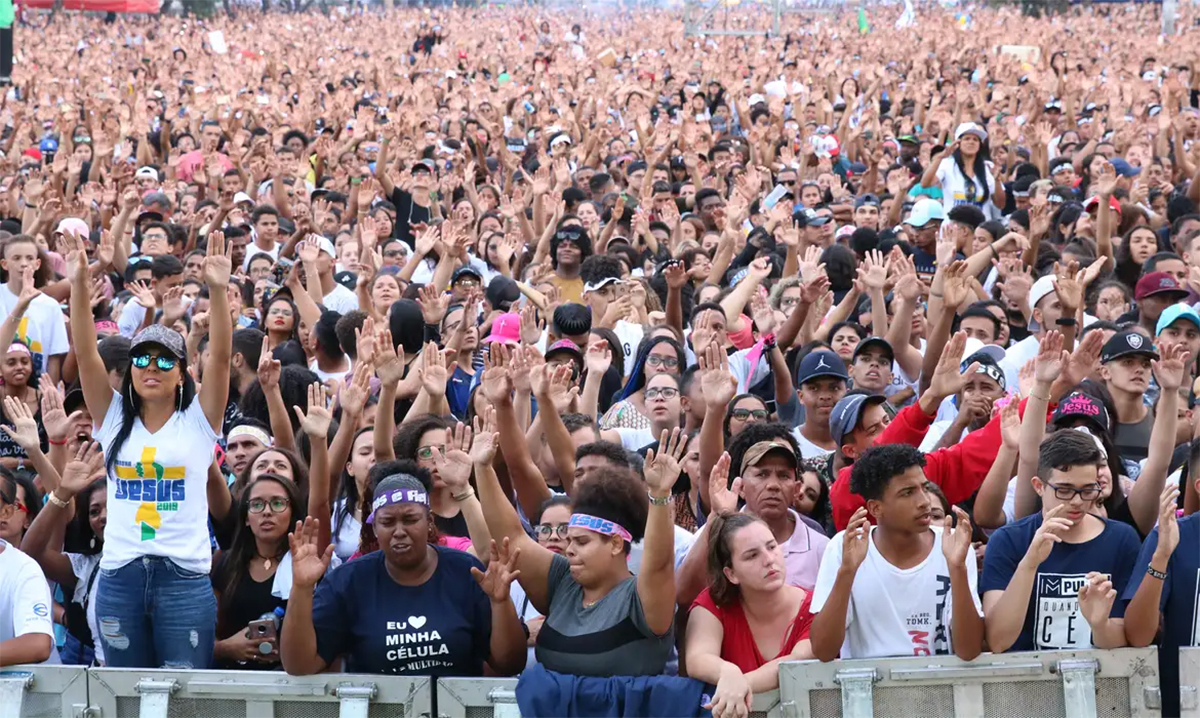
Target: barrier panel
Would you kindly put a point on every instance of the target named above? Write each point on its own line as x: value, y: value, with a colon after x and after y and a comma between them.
x: 1079, y: 684
x: 43, y: 692
x: 1189, y: 682
x: 126, y: 693
x: 496, y: 698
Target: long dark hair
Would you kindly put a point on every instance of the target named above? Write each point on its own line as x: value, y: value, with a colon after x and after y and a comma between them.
x: 243, y: 549
x: 131, y: 410
x: 720, y: 554
x: 242, y: 482
x: 979, y: 167
x: 79, y: 537
x: 281, y: 297
x: 349, y: 489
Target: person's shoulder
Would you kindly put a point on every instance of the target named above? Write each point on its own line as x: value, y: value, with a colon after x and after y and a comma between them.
x: 455, y: 560
x: 351, y: 570
x: 1119, y: 531
x: 1020, y: 529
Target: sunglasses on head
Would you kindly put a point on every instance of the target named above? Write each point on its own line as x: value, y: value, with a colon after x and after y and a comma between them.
x: 164, y: 363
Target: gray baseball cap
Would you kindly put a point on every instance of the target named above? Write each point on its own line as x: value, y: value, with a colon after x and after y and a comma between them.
x: 848, y: 412
x: 168, y: 339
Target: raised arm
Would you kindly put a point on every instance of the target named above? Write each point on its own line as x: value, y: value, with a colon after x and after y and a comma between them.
x: 530, y: 485
x: 93, y: 377
x: 1047, y: 365
x: 989, y: 502
x: 214, y: 392
x: 656, y: 580
x: 1144, y: 497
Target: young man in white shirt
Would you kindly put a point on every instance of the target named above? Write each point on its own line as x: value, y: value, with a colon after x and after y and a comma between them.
x: 42, y: 326
x: 318, y: 255
x: 903, y: 587
x: 26, y: 626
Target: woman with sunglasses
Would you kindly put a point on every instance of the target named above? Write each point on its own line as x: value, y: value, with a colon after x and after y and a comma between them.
x: 246, y: 579
x: 158, y: 433
x: 655, y: 355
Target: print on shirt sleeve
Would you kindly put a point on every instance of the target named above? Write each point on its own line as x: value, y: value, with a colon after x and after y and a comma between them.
x: 156, y: 488
x: 1058, y: 621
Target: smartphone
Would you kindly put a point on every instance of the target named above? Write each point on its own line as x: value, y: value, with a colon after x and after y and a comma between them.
x: 263, y: 633
x: 773, y: 198
x: 283, y: 267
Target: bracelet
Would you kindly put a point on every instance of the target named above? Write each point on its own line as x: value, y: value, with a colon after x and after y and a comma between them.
x: 468, y: 494
x: 659, y: 501
x: 52, y: 497
x: 1160, y: 575
x: 57, y: 443
x: 1039, y: 398
x: 1065, y: 321
x: 936, y: 295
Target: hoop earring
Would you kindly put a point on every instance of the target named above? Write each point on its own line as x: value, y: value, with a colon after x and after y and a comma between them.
x: 179, y: 397
x: 131, y: 404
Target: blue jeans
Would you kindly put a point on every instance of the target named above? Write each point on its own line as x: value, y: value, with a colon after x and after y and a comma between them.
x: 154, y: 614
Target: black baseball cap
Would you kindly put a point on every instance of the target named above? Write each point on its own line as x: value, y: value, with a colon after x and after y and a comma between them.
x: 1127, y: 343
x: 876, y: 342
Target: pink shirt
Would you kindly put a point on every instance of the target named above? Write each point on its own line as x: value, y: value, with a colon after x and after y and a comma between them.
x: 802, y: 554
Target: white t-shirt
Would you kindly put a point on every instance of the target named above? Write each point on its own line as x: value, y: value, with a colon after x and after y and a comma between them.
x: 345, y: 543
x: 340, y: 300
x: 25, y: 605
x: 630, y: 335
x: 954, y: 189
x: 86, y: 568
x: 157, y: 500
x: 809, y: 450
x: 325, y: 375
x: 634, y: 439
x: 253, y: 250
x: 43, y: 327
x: 683, y: 544
x: 130, y: 321
x: 895, y: 613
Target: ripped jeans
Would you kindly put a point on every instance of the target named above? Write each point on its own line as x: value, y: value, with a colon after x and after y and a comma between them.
x: 154, y: 614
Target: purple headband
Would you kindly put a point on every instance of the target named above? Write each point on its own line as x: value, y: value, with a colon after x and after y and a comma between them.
x: 600, y: 526
x: 399, y: 496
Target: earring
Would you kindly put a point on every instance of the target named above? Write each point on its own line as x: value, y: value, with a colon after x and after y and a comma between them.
x: 179, y: 398
x: 131, y: 404
x: 92, y: 543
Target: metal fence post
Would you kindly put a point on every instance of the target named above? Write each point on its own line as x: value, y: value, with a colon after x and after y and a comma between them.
x: 857, y: 692
x: 355, y: 701
x: 156, y: 697
x: 1079, y: 687
x: 504, y: 703
x: 12, y: 692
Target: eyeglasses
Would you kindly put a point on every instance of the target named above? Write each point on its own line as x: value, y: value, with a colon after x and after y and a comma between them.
x: 666, y: 392
x: 1066, y: 493
x: 545, y: 531
x: 746, y: 414
x: 468, y: 282
x: 668, y: 362
x: 426, y: 452
x: 164, y: 363
x: 278, y: 505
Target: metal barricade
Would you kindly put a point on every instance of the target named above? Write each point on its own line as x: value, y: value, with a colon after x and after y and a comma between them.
x: 497, y: 698
x: 1189, y: 682
x: 43, y: 692
x: 130, y: 693
x: 1079, y: 684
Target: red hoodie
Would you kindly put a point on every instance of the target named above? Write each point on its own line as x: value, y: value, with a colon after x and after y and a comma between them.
x: 959, y: 470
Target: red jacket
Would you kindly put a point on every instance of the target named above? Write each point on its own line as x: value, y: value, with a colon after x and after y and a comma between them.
x: 959, y: 470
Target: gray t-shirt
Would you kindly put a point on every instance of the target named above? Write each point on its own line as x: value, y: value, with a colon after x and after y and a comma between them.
x: 610, y: 638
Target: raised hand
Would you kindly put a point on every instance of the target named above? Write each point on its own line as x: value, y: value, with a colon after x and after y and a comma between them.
x: 1068, y: 285
x: 433, y: 304
x: 455, y: 467
x: 24, y: 430
x: 873, y: 272
x: 487, y: 440
x: 389, y: 358
x: 721, y: 494
x: 1083, y: 360
x: 662, y: 467
x: 268, y: 368
x: 1047, y: 535
x: 54, y: 417
x: 316, y: 422
x: 856, y: 539
x: 497, y: 385
x: 502, y: 571
x: 598, y: 358
x: 675, y: 274
x: 308, y: 563
x: 217, y: 263
x: 956, y: 541
x: 353, y: 397
x: 1010, y: 425
x: 364, y: 339
x: 84, y: 467
x: 717, y: 383
x: 142, y: 294
x: 947, y: 380
x: 434, y: 371
x: 1168, y: 523
x: 1169, y: 369
x: 1050, y: 359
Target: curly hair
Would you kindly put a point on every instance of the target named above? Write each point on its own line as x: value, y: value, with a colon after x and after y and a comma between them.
x: 408, y: 438
x: 616, y: 495
x: 877, y: 466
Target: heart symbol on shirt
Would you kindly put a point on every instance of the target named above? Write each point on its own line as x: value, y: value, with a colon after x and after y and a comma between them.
x: 416, y: 621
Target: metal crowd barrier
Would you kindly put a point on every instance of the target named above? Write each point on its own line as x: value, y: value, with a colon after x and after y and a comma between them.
x: 1083, y: 684
x: 1078, y: 684
x: 1189, y: 682
x: 496, y: 698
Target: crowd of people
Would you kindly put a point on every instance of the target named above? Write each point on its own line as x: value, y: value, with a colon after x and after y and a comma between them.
x: 502, y: 341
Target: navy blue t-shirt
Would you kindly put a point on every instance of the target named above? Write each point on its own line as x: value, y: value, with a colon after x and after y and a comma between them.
x: 1054, y: 620
x: 1180, y: 604
x: 440, y: 628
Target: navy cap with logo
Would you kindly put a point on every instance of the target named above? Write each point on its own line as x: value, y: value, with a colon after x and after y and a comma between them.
x: 821, y: 363
x: 874, y: 343
x: 1127, y: 343
x: 848, y: 412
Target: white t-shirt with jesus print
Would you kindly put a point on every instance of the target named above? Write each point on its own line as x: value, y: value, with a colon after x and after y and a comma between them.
x: 43, y: 327
x: 157, y: 500
x: 1054, y: 620
x: 894, y: 612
